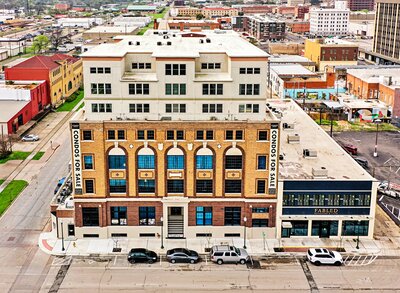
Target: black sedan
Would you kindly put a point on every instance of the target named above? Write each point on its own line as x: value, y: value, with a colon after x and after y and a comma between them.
x: 182, y: 255
x: 142, y: 255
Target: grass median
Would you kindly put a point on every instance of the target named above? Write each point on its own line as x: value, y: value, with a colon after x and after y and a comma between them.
x: 12, y: 190
x: 17, y: 155
x: 71, y: 102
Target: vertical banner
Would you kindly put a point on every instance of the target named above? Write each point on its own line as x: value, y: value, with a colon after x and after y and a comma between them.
x: 273, y: 158
x: 76, y: 158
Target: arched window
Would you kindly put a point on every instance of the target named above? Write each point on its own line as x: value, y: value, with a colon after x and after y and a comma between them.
x: 146, y: 159
x: 175, y: 159
x: 204, y: 159
x: 69, y: 85
x: 116, y: 159
x: 233, y: 159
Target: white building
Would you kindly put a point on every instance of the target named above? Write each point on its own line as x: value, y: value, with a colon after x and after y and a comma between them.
x: 125, y: 21
x: 79, y: 22
x: 329, y: 21
x: 184, y: 67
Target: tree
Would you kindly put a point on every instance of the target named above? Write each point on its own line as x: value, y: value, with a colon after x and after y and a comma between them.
x: 199, y: 16
x: 40, y: 43
x: 5, y: 145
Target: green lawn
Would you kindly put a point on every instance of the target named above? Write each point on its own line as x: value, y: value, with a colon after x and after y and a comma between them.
x: 1, y: 181
x: 68, y: 106
x: 12, y: 190
x: 17, y: 155
x: 151, y: 24
x: 37, y: 156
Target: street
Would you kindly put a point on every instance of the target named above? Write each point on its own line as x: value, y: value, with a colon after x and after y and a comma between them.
x: 23, y: 265
x: 275, y: 275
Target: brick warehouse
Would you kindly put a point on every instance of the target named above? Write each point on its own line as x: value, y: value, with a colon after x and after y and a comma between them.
x: 175, y: 136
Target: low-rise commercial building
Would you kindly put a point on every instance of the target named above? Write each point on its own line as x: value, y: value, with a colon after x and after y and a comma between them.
x: 298, y: 27
x: 330, y: 52
x: 214, y: 12
x: 127, y: 21
x: 188, y: 24
x: 323, y: 192
x: 80, y: 22
x: 107, y: 33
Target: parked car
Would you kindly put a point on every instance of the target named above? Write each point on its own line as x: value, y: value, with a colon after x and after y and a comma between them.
x: 182, y: 255
x: 362, y: 162
x: 142, y: 255
x: 389, y: 189
x: 59, y: 184
x: 30, y: 137
x: 349, y: 148
x: 228, y: 254
x: 320, y: 256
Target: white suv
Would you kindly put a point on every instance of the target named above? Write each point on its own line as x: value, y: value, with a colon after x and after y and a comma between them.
x: 320, y: 256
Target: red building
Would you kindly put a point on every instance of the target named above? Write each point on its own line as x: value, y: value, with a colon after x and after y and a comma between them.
x: 62, y: 6
x: 301, y: 10
x: 299, y: 27
x: 256, y: 9
x: 20, y: 102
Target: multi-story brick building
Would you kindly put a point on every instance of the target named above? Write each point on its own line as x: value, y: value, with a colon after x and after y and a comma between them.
x: 298, y: 27
x: 330, y: 52
x: 175, y: 137
x: 213, y: 12
x: 265, y: 28
x: 358, y: 5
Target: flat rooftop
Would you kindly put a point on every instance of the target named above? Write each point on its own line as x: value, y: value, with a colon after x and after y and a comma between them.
x: 292, y: 70
x: 182, y: 44
x: 289, y: 59
x: 9, y: 108
x: 111, y: 29
x: 338, y: 164
x: 378, y: 75
x: 352, y: 103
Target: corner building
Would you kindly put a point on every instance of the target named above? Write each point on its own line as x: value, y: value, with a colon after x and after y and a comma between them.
x: 176, y: 136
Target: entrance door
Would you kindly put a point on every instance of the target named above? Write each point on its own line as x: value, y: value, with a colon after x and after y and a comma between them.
x: 324, y: 229
x: 71, y: 230
x: 175, y: 222
x: 20, y: 120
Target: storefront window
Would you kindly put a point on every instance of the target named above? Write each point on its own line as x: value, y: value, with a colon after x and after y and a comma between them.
x: 147, y: 216
x: 203, y: 216
x: 299, y: 228
x: 355, y: 228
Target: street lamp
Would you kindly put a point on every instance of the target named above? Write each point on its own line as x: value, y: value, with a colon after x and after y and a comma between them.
x: 62, y: 237
x: 358, y: 234
x: 244, y: 243
x: 162, y: 232
x: 377, y: 122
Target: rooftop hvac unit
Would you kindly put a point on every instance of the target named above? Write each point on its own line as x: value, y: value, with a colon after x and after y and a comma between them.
x: 169, y: 43
x: 166, y: 118
x: 309, y: 153
x: 159, y: 43
x: 208, y: 40
x: 201, y: 41
x: 320, y: 172
x: 293, y: 138
x: 288, y: 125
x: 137, y: 43
x: 130, y: 43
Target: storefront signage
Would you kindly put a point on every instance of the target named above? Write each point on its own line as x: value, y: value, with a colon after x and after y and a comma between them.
x: 326, y: 211
x: 309, y: 211
x: 273, y: 158
x: 76, y: 158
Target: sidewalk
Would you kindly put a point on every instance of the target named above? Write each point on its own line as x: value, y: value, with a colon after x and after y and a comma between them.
x: 293, y: 246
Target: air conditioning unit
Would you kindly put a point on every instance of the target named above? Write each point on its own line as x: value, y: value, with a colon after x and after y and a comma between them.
x: 137, y: 43
x: 293, y: 138
x: 166, y: 118
x: 130, y: 43
x: 208, y: 40
x: 169, y: 43
x: 288, y: 125
x: 309, y: 153
x: 159, y: 43
x: 320, y: 172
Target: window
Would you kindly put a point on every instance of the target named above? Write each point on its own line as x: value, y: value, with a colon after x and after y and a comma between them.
x: 101, y: 108
x: 203, y: 216
x: 146, y: 186
x: 88, y: 162
x: 117, y: 185
x: 258, y: 210
x: 100, y: 70
x: 146, y: 162
x: 175, y: 135
x: 118, y: 215
x: 139, y: 89
x: 89, y: 186
x: 204, y: 162
x: 233, y: 186
x: 147, y: 216
x: 100, y: 88
x: 249, y: 108
x: 204, y: 186
x: 355, y: 228
x: 232, y: 216
x: 299, y: 228
x: 175, y: 108
x: 87, y: 135
x: 208, y: 134
x: 175, y: 69
x: 212, y: 108
x: 263, y: 135
x: 262, y: 162
x: 110, y: 134
x: 90, y: 216
x: 210, y: 65
x: 175, y: 88
x: 175, y: 162
x: 141, y: 65
x: 259, y: 222
x: 213, y: 89
x: 233, y: 162
x: 121, y: 134
x: 250, y: 70
x: 260, y: 186
x: 231, y: 134
x: 249, y: 89
x: 139, y: 108
x: 145, y: 134
x: 174, y: 186
x: 116, y: 161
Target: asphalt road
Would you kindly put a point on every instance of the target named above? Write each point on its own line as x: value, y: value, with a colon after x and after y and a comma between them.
x: 23, y: 266
x: 275, y: 275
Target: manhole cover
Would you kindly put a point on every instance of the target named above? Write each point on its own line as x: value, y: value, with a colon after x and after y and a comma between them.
x: 11, y: 239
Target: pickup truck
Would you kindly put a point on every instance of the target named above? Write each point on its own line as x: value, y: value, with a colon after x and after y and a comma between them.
x: 389, y: 189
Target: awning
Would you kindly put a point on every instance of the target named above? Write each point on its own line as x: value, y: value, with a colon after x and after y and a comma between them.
x: 287, y: 225
x: 333, y: 104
